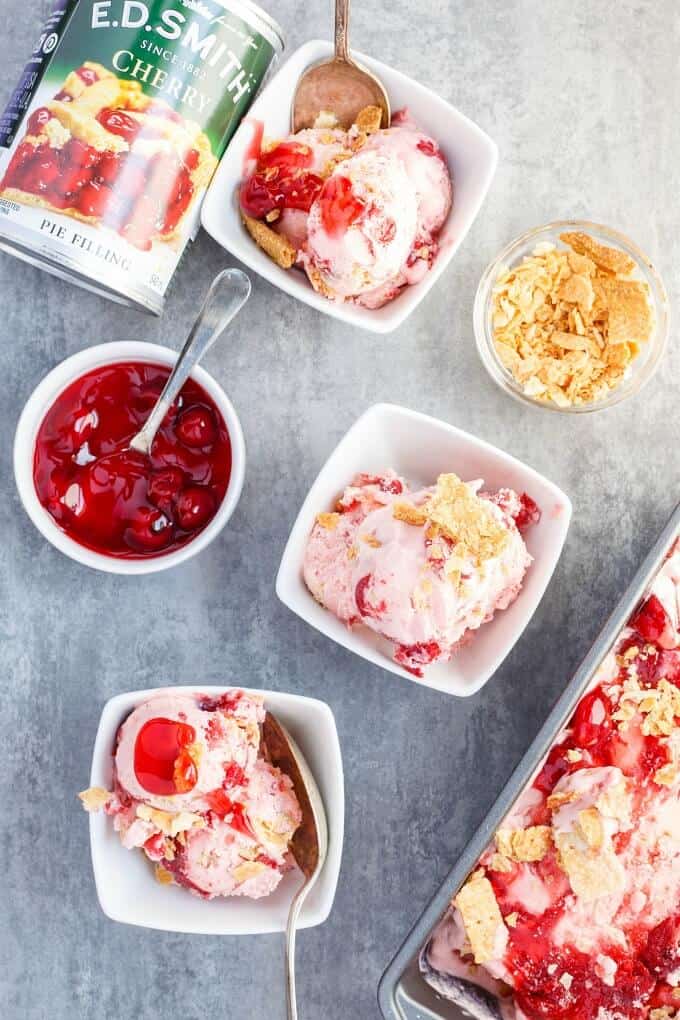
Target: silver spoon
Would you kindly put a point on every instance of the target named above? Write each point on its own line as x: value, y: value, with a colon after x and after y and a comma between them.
x: 339, y: 85
x: 228, y: 292
x: 309, y: 845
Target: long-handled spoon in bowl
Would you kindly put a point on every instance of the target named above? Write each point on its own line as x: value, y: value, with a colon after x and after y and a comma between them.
x: 228, y: 292
x: 309, y: 845
x: 339, y: 85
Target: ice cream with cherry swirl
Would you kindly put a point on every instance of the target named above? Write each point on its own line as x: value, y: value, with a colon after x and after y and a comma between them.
x: 573, y: 910
x: 360, y: 210
x: 193, y: 789
x: 424, y: 568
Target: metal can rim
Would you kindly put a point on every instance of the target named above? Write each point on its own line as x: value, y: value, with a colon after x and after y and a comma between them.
x: 260, y: 20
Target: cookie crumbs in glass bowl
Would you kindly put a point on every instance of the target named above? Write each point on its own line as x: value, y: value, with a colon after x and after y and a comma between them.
x: 572, y: 317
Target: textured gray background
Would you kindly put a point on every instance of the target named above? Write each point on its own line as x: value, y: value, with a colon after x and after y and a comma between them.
x: 583, y: 101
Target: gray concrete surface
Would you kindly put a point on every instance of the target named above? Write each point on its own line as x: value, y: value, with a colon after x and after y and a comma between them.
x: 583, y: 101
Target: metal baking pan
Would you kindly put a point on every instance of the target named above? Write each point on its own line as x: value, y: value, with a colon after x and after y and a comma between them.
x: 403, y: 993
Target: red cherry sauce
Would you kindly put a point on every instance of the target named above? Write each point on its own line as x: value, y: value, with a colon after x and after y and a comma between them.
x: 340, y: 207
x: 112, y: 499
x: 282, y: 180
x: 163, y: 766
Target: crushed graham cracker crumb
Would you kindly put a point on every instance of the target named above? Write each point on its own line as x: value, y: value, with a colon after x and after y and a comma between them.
x: 95, y: 798
x: 328, y: 521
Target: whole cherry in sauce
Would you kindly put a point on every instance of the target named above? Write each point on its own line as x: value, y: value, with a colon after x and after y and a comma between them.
x: 282, y: 180
x: 115, y: 500
x: 163, y: 764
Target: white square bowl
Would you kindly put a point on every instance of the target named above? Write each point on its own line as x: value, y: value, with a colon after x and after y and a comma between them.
x: 126, y: 886
x: 471, y: 156
x: 420, y: 448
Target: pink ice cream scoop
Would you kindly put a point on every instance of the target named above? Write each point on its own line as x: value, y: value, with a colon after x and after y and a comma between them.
x: 362, y: 226
x: 192, y: 788
x: 362, y: 211
x: 426, y: 170
x: 422, y: 568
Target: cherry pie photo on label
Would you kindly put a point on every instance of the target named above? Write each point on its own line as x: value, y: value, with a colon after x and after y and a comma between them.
x: 104, y: 179
x: 104, y: 152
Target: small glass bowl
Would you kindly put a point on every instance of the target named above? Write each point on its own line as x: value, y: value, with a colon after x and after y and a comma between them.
x: 642, y: 367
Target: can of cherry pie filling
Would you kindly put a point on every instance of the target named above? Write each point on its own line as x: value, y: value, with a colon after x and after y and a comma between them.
x: 108, y: 147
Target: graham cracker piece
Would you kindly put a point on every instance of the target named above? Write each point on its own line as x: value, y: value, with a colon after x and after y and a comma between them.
x: 615, y: 802
x: 611, y: 259
x: 318, y: 283
x: 591, y: 873
x: 667, y: 774
x: 328, y: 521
x: 95, y: 798
x: 277, y: 247
x: 578, y: 290
x: 590, y: 825
x: 499, y: 862
x: 371, y: 540
x: 481, y: 916
x: 466, y: 519
x: 409, y: 514
x: 368, y: 120
x: 630, y: 315
x: 163, y: 875
x: 247, y: 870
x: 170, y: 823
x: 524, y: 845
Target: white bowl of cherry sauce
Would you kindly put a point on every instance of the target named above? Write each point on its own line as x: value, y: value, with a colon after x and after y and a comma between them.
x: 105, y: 505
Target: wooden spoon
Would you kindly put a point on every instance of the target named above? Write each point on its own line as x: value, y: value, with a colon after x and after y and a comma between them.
x: 339, y: 85
x: 309, y: 845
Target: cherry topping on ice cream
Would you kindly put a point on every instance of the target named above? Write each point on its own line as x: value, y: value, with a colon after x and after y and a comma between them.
x: 163, y: 766
x: 222, y: 805
x: 651, y: 619
x: 413, y: 657
x: 365, y: 607
x: 592, y: 722
x: 282, y: 180
x: 340, y: 207
x: 113, y: 499
x: 662, y: 952
x: 528, y: 514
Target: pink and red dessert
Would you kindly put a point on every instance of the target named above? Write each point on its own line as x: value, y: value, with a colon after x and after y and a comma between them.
x: 424, y: 568
x: 194, y: 790
x: 573, y: 912
x: 360, y: 210
x: 117, y: 501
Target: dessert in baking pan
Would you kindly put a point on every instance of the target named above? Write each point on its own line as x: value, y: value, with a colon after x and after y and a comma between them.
x: 572, y: 911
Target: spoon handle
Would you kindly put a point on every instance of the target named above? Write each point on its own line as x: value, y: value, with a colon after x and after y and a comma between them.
x: 342, y: 29
x: 228, y: 293
x: 291, y: 928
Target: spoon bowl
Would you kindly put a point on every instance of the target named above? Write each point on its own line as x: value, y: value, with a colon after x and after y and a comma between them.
x: 340, y: 85
x: 309, y: 845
